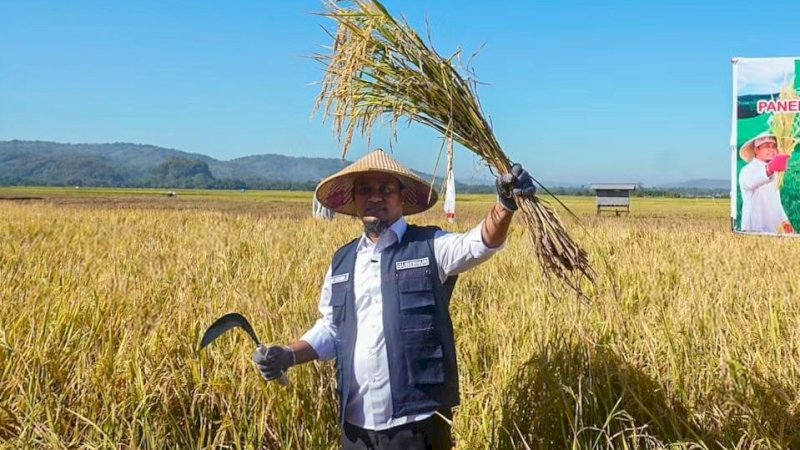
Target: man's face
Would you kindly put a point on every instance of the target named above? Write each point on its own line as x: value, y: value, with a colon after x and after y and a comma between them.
x: 378, y: 197
x: 766, y: 151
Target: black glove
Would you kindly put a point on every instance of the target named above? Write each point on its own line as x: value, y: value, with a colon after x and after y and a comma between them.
x: 518, y: 183
x: 272, y: 362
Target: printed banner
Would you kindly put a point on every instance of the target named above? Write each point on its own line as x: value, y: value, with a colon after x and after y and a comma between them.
x: 765, y: 173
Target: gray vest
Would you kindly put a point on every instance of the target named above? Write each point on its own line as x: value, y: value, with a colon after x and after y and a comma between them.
x: 416, y: 324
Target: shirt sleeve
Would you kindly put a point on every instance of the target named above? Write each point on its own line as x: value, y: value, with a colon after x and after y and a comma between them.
x: 322, y: 335
x: 459, y: 252
x: 753, y: 176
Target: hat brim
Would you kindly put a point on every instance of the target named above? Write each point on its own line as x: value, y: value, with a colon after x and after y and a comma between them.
x: 336, y: 192
x: 748, y: 150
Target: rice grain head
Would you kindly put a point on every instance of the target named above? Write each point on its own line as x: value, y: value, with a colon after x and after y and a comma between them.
x: 379, y: 67
x: 786, y: 126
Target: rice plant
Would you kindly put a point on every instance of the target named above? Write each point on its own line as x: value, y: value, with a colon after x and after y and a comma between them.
x: 103, y: 303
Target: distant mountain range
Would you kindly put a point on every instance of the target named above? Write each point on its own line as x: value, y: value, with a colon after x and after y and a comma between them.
x: 125, y: 164
x: 136, y: 165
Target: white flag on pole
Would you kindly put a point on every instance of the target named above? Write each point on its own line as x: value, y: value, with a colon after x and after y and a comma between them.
x: 450, y: 186
x: 319, y: 211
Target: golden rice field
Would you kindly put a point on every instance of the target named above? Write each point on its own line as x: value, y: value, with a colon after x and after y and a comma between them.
x: 692, y: 339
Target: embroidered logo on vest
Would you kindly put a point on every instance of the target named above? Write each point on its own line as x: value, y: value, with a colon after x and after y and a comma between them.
x: 340, y: 278
x: 412, y: 263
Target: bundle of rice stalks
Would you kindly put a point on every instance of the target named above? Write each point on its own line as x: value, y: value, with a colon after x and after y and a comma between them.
x: 380, y: 66
x: 786, y: 126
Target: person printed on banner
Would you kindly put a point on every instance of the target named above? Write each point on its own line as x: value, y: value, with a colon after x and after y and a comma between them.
x: 762, y: 210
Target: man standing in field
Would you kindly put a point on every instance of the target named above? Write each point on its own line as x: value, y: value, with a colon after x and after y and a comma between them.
x: 762, y: 210
x: 385, y: 305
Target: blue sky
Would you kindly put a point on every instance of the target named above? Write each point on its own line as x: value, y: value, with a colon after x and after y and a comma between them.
x: 577, y: 91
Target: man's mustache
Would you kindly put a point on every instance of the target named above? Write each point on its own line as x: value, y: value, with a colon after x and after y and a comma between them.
x: 374, y: 208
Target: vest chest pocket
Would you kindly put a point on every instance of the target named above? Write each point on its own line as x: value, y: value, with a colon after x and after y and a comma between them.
x: 416, y: 289
x: 417, y: 304
x: 338, y: 301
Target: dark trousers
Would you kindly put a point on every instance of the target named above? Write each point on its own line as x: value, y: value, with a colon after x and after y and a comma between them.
x: 432, y: 433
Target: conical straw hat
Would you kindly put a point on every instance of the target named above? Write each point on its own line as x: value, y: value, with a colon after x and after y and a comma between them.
x: 336, y: 191
x: 748, y: 150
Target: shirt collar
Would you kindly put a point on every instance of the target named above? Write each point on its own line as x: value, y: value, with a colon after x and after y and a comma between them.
x: 393, y: 234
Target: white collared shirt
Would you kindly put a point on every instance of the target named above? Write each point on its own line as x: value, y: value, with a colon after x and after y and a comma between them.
x: 369, y: 403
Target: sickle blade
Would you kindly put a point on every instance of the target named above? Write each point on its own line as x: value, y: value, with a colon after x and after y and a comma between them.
x: 224, y: 324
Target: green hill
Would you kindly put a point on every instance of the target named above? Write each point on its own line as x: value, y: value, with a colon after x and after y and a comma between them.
x: 135, y: 165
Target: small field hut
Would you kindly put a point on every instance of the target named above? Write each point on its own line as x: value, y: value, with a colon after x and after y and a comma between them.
x: 614, y: 197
